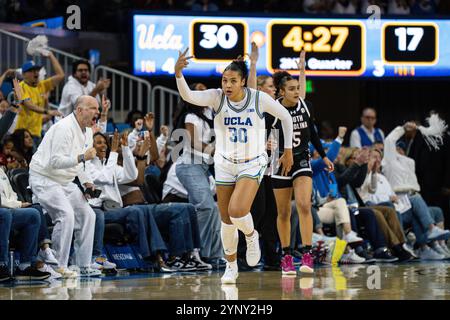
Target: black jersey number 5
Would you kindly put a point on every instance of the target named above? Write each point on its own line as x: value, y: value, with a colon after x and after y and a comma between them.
x: 297, y: 139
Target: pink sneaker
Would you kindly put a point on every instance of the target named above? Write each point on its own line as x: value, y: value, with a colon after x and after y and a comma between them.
x: 307, y: 263
x: 287, y: 265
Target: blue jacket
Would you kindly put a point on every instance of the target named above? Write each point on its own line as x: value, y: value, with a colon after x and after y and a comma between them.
x: 320, y: 176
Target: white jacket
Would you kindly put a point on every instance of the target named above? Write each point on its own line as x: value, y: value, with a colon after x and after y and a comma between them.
x: 57, y: 155
x: 108, y: 175
x: 71, y: 91
x: 400, y: 170
x: 382, y: 193
x: 7, y: 194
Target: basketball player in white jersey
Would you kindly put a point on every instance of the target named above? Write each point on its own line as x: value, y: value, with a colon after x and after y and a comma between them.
x: 240, y: 157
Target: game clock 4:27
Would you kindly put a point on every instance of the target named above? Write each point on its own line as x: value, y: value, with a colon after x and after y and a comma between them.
x: 333, y: 48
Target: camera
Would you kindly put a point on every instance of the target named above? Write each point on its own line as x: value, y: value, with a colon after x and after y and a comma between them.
x: 93, y: 193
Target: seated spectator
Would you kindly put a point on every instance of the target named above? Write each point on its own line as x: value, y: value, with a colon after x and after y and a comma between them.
x: 345, y: 7
x: 399, y: 7
x: 27, y: 221
x: 108, y: 208
x: 332, y: 208
x: 177, y: 222
x: 366, y: 134
x: 350, y: 174
x: 79, y: 84
x: 7, y: 159
x: 401, y: 173
x: 10, y: 200
x: 174, y: 191
x: 376, y: 190
x: 23, y: 146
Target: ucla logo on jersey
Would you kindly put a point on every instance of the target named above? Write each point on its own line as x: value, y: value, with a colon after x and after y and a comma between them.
x: 237, y: 121
x: 251, y: 110
x: 302, y: 110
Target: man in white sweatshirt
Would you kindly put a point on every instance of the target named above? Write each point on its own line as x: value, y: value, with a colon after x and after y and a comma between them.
x: 59, y: 159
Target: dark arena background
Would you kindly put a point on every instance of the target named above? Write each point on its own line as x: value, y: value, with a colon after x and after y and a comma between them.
x: 379, y: 68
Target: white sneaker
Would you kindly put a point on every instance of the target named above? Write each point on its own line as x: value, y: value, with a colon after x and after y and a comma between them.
x: 351, y: 258
x: 407, y: 248
x: 231, y: 274
x: 352, y: 237
x: 53, y: 274
x: 428, y: 254
x: 67, y: 273
x: 446, y: 250
x: 89, y: 272
x: 47, y: 256
x: 436, y: 247
x: 104, y: 263
x: 438, y: 234
x: 253, y: 251
x: 96, y: 266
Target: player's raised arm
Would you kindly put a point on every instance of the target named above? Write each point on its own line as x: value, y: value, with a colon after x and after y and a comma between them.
x: 302, y: 75
x: 251, y: 82
x: 203, y: 98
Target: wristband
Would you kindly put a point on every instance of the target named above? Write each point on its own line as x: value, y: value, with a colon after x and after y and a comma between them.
x: 141, y: 158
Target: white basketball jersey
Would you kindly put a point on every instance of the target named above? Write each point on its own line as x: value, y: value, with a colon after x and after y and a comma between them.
x: 240, y: 129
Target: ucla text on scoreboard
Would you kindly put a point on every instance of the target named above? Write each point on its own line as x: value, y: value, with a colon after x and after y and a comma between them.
x: 334, y: 47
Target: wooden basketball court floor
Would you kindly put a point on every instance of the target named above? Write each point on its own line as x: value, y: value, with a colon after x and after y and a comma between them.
x: 416, y: 280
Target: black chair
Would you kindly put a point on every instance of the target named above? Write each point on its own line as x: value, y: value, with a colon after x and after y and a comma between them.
x: 12, y: 172
x: 20, y: 184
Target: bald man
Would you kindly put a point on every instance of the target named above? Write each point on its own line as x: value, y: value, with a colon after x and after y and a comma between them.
x: 367, y: 134
x: 59, y: 159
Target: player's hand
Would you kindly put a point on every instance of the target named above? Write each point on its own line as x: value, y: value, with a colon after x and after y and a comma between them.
x: 301, y: 61
x: 254, y: 55
x: 286, y: 161
x: 329, y: 165
x: 182, y: 62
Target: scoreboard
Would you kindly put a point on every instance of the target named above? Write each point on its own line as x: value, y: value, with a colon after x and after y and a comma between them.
x: 334, y: 47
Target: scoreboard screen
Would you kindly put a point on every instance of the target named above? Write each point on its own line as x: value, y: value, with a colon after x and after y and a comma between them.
x: 334, y: 47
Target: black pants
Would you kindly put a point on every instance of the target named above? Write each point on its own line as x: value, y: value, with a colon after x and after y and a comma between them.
x: 367, y: 226
x: 264, y: 213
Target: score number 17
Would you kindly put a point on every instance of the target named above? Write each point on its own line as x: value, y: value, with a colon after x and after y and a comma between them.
x: 403, y: 33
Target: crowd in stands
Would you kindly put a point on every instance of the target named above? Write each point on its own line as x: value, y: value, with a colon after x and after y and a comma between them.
x: 114, y: 17
x: 377, y: 200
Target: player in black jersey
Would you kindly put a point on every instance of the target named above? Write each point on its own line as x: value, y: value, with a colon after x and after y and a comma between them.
x: 299, y: 179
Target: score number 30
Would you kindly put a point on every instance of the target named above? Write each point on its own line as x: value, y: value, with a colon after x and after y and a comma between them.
x: 226, y: 36
x: 296, y: 39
